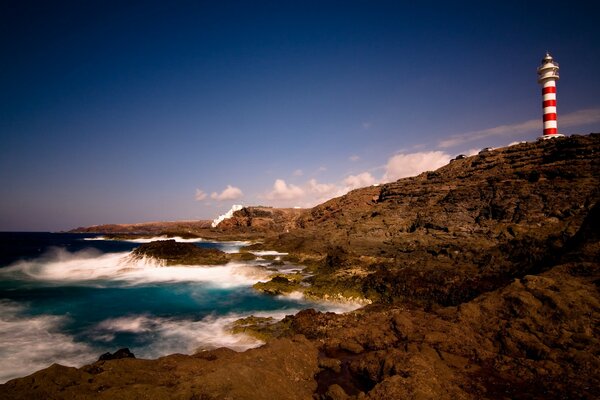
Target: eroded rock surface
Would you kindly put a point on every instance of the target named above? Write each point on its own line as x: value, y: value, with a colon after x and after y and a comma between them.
x: 218, y: 374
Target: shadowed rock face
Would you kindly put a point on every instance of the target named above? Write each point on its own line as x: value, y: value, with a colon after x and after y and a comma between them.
x: 447, y: 236
x: 171, y: 252
x: 486, y: 277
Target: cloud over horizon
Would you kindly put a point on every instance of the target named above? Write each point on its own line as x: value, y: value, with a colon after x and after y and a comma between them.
x: 229, y: 193
x: 360, y: 180
x: 200, y: 195
x: 283, y: 191
x: 313, y: 192
x: 411, y: 164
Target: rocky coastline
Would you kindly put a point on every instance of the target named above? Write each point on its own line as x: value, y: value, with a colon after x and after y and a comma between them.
x: 482, y: 279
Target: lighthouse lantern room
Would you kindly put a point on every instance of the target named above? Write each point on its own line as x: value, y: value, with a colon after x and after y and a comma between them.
x: 547, y: 77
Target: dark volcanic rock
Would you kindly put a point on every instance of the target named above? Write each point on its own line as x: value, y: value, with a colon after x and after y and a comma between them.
x: 447, y: 236
x: 282, y: 369
x: 121, y: 353
x: 174, y: 253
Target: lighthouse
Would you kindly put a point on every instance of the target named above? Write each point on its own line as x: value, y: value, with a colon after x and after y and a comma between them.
x: 547, y: 77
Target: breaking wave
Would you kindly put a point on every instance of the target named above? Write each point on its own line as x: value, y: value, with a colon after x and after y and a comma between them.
x: 148, y: 239
x: 181, y: 335
x: 232, y: 246
x: 324, y: 305
x: 29, y: 343
x: 93, y: 267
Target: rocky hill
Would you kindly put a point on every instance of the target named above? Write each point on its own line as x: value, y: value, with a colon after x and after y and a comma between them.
x: 484, y: 277
x: 447, y: 236
x: 264, y: 220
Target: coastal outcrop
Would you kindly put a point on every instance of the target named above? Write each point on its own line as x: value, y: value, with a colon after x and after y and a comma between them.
x: 484, y: 278
x: 265, y: 220
x: 217, y: 374
x: 170, y: 252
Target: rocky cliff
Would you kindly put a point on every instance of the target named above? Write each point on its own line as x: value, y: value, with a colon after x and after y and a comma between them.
x: 485, y: 281
x: 264, y: 220
x: 449, y: 235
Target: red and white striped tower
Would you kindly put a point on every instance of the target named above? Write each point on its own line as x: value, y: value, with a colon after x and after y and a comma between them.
x: 547, y: 77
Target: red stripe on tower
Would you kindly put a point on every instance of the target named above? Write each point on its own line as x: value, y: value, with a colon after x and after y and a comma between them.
x: 547, y: 77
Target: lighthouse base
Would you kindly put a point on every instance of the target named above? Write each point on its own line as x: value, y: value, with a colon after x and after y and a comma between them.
x: 552, y: 136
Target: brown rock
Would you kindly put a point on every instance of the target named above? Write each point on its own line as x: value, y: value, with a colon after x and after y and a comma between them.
x: 174, y: 253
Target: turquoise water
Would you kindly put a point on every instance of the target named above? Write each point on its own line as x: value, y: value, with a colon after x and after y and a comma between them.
x: 66, y: 298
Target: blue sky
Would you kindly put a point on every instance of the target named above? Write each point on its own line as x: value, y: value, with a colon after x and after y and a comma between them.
x: 122, y: 112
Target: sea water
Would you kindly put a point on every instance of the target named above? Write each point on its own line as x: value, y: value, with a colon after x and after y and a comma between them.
x: 67, y: 298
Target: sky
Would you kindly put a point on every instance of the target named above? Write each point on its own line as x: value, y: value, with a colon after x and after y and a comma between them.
x: 127, y: 111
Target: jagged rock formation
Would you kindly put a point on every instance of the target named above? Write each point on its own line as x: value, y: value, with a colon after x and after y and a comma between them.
x: 170, y: 252
x: 449, y: 235
x: 485, y: 275
x: 261, y: 219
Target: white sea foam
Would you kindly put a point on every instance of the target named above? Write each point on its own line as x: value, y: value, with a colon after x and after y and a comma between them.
x: 30, y: 343
x: 93, y: 267
x: 148, y: 239
x: 324, y: 305
x: 232, y: 246
x: 261, y: 253
x: 183, y: 335
x: 187, y: 336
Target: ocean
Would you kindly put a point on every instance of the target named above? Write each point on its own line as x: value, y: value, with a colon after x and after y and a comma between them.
x: 68, y: 298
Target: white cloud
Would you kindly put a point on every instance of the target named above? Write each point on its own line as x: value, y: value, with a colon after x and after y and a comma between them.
x: 354, y: 158
x: 570, y: 120
x: 298, y: 172
x: 313, y: 192
x: 360, y: 180
x: 405, y: 165
x: 309, y: 194
x: 200, y: 195
x: 229, y: 193
x: 283, y: 191
x: 320, y: 192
